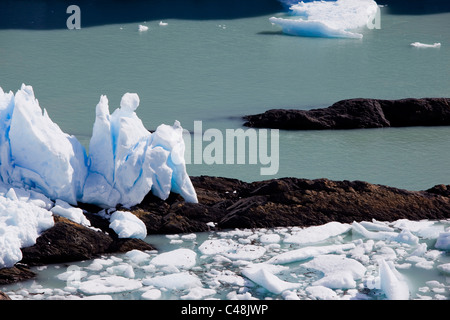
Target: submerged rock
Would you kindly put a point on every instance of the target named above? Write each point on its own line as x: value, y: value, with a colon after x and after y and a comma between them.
x: 358, y: 113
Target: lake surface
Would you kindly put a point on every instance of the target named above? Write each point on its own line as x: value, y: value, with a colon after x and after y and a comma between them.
x: 216, y: 65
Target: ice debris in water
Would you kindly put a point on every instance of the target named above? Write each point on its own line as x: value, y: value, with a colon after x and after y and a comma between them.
x: 330, y: 19
x: 426, y: 45
x: 142, y: 28
x: 341, y: 267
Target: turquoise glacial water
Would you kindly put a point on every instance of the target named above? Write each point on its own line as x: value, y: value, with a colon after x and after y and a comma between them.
x: 217, y: 69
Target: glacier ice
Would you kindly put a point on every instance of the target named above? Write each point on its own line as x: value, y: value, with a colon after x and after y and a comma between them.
x: 330, y: 19
x: 40, y: 163
x: 42, y: 156
x: 124, y: 164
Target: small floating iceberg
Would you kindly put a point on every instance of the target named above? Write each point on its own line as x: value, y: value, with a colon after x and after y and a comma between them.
x: 142, y: 28
x: 424, y: 45
x: 329, y: 19
x: 163, y: 23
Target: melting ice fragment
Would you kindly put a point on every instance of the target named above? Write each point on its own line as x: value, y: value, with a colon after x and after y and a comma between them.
x: 426, y: 45
x: 330, y: 19
x: 142, y: 28
x: 339, y: 271
x: 318, y: 233
x: 261, y: 275
x: 127, y: 225
x: 443, y: 241
x: 392, y: 282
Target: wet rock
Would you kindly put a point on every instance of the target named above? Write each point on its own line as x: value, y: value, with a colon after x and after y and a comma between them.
x: 358, y: 113
x: 68, y: 241
x: 231, y: 203
x: 14, y: 274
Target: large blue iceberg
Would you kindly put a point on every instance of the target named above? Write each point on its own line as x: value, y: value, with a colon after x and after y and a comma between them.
x: 329, y: 19
x: 124, y: 164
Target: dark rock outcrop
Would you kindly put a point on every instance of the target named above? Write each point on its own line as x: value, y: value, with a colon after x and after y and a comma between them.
x: 231, y: 203
x: 14, y: 274
x: 358, y: 113
x: 4, y: 296
x: 68, y: 241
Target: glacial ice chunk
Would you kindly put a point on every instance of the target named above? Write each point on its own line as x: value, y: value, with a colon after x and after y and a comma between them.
x: 142, y: 28
x: 426, y: 45
x: 318, y: 233
x: 443, y: 241
x: 308, y: 252
x: 179, y: 258
x: 174, y: 281
x: 127, y: 225
x: 392, y: 282
x: 43, y: 157
x: 268, y: 280
x: 125, y: 160
x: 330, y: 19
x: 107, y: 285
x: 339, y: 271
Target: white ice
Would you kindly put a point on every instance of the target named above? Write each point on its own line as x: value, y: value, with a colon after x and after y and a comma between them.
x: 263, y: 277
x: 142, y: 28
x: 40, y: 163
x: 125, y: 160
x: 443, y: 241
x: 404, y: 236
x: 21, y: 222
x: 339, y: 272
x: 179, y: 258
x: 318, y: 233
x: 42, y: 156
x: 127, y: 225
x: 331, y: 19
x: 107, y: 285
x: 426, y: 45
x: 308, y: 252
x: 174, y: 281
x: 64, y: 209
x: 392, y: 282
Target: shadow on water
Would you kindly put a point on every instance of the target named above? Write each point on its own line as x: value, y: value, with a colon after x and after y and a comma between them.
x: 271, y: 33
x: 416, y: 7
x: 51, y: 14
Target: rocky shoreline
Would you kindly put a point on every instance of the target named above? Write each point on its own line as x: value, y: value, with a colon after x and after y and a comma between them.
x: 230, y: 203
x: 358, y: 114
